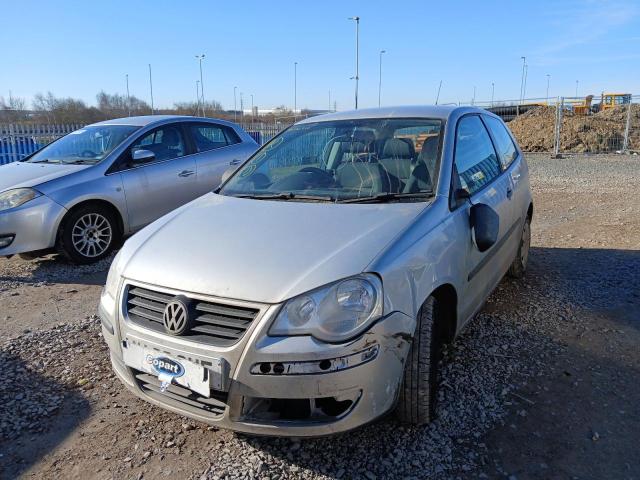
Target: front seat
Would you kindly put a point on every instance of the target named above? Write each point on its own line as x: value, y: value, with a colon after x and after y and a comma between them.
x: 364, y: 178
x: 172, y: 146
x: 424, y: 170
x: 397, y: 157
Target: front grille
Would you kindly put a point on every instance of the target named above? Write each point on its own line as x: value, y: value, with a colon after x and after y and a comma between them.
x: 181, y: 397
x: 214, y: 323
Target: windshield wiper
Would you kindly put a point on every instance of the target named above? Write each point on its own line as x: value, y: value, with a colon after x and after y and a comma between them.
x: 45, y: 160
x: 287, y: 196
x: 80, y: 162
x: 388, y: 197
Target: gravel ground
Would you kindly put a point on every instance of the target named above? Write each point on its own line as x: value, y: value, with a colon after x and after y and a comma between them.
x: 543, y: 383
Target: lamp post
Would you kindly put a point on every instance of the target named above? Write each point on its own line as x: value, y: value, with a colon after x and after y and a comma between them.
x: 128, y: 101
x: 252, y: 109
x: 577, y: 88
x: 357, y: 77
x: 295, y: 91
x: 524, y: 62
x: 380, y: 78
x: 493, y: 91
x: 548, y: 77
x: 151, y: 88
x: 241, y: 108
x: 198, y: 96
x: 200, y: 58
x: 235, y: 105
x: 473, y: 100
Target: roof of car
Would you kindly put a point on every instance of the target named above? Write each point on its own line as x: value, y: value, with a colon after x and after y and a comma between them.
x: 145, y: 120
x: 414, y: 111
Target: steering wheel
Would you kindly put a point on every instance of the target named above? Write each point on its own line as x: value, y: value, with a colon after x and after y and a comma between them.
x: 88, y: 154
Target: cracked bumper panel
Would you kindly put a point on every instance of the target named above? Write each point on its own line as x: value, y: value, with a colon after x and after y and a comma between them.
x: 33, y: 224
x: 371, y: 384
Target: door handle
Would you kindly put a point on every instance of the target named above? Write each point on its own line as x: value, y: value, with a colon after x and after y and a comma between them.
x: 235, y: 161
x: 186, y: 173
x: 509, y: 193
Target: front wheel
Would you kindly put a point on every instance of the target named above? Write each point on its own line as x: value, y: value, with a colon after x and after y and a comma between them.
x: 417, y: 399
x: 519, y: 265
x: 88, y: 234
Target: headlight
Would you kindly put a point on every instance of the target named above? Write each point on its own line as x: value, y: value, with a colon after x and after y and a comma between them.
x: 16, y: 197
x: 113, y: 277
x: 333, y: 313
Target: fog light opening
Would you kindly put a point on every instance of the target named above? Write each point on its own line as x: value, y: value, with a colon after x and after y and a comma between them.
x: 265, y: 368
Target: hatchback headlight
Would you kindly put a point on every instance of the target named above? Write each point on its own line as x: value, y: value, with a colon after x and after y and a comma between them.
x: 113, y: 277
x: 16, y: 197
x: 333, y: 313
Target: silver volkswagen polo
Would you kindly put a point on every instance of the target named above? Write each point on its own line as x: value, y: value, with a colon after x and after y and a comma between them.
x: 82, y: 193
x: 313, y: 291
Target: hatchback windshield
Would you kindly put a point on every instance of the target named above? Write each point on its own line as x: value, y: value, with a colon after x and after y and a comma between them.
x: 345, y: 160
x: 88, y: 145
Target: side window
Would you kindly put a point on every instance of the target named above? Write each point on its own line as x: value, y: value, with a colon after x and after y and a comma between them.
x: 506, y: 149
x: 209, y: 137
x: 166, y: 142
x: 475, y: 157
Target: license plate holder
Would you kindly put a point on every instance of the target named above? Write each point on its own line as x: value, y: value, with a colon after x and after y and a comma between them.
x: 174, y: 369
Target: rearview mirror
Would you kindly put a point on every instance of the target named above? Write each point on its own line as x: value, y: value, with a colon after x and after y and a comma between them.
x: 486, y: 224
x: 142, y: 156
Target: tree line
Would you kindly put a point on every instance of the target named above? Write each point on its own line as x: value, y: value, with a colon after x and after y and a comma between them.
x: 49, y: 109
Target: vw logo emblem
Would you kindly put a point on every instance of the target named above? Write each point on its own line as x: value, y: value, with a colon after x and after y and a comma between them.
x: 176, y: 317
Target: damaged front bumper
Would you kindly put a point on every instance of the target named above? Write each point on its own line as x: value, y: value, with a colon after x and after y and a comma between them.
x: 290, y: 386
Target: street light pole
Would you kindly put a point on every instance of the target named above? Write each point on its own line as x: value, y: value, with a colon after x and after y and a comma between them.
x: 252, y: 109
x: 577, y: 88
x: 198, y: 97
x: 235, y: 105
x: 524, y: 62
x: 380, y: 78
x: 200, y: 58
x: 128, y: 101
x: 295, y: 91
x: 241, y: 108
x: 151, y: 88
x: 329, y: 100
x: 357, y: 77
x: 493, y: 91
x: 548, y: 77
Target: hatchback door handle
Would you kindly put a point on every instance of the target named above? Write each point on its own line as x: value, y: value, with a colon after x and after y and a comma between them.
x: 235, y: 161
x: 186, y: 173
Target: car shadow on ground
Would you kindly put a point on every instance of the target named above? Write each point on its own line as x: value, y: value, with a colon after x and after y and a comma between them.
x: 55, y: 269
x: 576, y: 392
x: 37, y: 414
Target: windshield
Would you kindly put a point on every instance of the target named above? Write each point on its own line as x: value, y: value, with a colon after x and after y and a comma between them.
x: 345, y: 160
x: 88, y: 145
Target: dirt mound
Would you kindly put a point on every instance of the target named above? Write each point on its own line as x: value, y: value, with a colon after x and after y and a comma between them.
x: 599, y: 132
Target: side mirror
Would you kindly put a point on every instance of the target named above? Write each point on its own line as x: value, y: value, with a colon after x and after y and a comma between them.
x: 142, y: 156
x: 486, y: 225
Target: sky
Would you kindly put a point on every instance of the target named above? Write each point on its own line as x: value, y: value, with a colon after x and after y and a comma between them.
x: 77, y: 48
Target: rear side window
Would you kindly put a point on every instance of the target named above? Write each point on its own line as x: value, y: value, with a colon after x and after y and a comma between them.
x: 475, y: 158
x: 209, y: 137
x: 506, y: 149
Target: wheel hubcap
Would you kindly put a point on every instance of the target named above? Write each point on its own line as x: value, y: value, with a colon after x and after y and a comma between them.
x: 92, y: 235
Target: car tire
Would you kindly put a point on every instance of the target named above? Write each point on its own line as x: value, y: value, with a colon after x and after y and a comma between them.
x: 519, y: 265
x: 418, y: 391
x: 88, y: 234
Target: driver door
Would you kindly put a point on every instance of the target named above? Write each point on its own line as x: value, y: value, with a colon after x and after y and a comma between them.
x: 478, y: 170
x: 162, y: 184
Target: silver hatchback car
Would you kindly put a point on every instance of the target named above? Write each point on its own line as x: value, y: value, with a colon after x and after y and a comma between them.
x: 85, y: 191
x: 314, y: 290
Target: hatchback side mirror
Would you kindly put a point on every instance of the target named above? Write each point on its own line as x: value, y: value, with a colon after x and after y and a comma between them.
x: 142, y: 156
x: 486, y: 225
